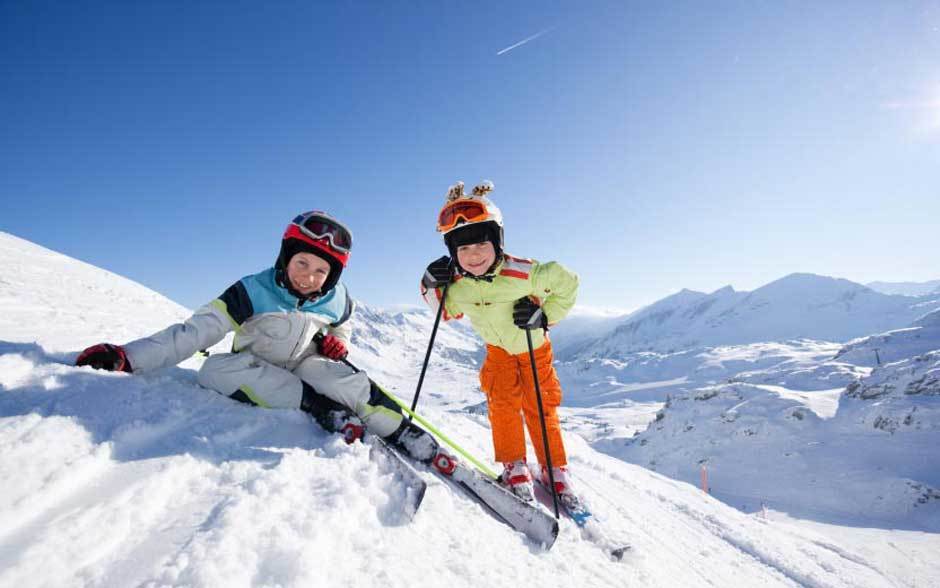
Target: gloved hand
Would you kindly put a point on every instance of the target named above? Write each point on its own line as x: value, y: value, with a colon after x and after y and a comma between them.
x: 523, y: 311
x: 332, y: 347
x: 105, y: 356
x: 439, y: 273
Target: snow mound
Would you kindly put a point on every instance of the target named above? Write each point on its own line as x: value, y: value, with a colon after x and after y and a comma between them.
x: 64, y: 304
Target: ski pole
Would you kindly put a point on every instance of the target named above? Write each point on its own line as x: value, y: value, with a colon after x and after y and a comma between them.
x: 437, y: 433
x: 534, y: 322
x: 427, y: 355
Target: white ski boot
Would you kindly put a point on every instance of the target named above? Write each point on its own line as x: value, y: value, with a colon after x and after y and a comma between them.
x: 562, y: 486
x: 518, y: 479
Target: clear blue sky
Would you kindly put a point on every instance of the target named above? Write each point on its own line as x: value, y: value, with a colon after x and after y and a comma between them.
x: 648, y: 146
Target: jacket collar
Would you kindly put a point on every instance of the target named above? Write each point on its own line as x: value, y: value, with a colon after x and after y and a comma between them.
x: 490, y: 274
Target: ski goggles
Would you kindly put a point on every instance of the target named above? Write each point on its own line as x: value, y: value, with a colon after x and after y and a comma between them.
x: 318, y: 225
x: 470, y: 211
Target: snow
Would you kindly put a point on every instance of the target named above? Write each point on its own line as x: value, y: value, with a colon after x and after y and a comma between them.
x: 824, y: 403
x: 895, y: 345
x: 865, y: 455
x: 651, y: 376
x: 150, y: 480
x: 75, y: 303
x: 906, y: 288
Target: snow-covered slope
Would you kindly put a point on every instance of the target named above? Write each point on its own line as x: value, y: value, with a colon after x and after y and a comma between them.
x: 651, y: 376
x: 150, y: 480
x: 799, y: 306
x: 900, y: 397
x: 62, y: 303
x: 921, y: 337
x: 864, y: 456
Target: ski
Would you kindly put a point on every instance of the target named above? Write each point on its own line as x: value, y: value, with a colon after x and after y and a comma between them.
x: 405, y: 474
x: 530, y: 520
x: 536, y: 524
x: 573, y: 507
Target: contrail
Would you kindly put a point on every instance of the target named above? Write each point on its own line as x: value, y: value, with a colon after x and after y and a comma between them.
x: 526, y: 40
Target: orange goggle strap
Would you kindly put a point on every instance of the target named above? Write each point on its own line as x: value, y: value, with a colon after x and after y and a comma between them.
x: 469, y: 210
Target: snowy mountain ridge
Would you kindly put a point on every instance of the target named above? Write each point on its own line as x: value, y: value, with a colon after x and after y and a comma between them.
x: 798, y: 306
x: 906, y: 288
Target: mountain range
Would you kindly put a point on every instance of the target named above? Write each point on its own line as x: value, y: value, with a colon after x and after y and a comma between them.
x: 797, y: 306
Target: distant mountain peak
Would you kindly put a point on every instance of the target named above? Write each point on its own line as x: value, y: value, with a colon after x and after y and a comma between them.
x: 814, y: 279
x: 906, y: 288
x: 800, y: 305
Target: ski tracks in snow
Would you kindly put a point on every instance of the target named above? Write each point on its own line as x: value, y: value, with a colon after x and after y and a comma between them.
x: 679, y: 533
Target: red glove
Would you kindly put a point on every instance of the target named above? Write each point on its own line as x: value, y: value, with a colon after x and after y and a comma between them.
x: 352, y: 432
x: 105, y: 356
x: 332, y: 347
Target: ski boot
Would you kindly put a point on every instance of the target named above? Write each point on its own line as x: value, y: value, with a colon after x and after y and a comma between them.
x: 422, y: 447
x: 331, y: 415
x: 562, y: 486
x: 348, y: 425
x: 518, y: 479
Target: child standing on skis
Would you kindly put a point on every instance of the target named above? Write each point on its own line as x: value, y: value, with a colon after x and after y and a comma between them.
x: 291, y: 333
x: 501, y: 295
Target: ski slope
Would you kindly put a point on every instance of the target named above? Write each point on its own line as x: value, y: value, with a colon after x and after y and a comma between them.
x: 150, y: 480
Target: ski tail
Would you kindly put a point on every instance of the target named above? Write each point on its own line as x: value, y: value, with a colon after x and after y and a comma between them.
x: 591, y: 529
x: 405, y: 474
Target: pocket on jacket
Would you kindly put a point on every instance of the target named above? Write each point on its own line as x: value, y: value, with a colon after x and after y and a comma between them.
x: 278, y: 338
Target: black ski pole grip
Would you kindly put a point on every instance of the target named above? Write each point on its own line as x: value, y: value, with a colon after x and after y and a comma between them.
x: 535, y: 321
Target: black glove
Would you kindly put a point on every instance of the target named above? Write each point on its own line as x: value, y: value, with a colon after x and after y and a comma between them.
x: 523, y: 312
x: 105, y: 356
x: 439, y: 273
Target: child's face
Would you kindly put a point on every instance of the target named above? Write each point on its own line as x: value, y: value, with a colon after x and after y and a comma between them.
x: 307, y: 272
x: 476, y: 258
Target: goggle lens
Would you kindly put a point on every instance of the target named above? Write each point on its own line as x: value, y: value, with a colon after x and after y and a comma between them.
x: 319, y: 227
x: 468, y: 210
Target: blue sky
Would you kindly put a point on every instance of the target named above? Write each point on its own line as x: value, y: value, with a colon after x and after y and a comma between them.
x: 648, y: 147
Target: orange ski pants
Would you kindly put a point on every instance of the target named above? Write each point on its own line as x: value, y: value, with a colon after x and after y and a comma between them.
x: 506, y: 380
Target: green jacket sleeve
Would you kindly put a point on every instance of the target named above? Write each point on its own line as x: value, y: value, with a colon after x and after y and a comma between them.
x: 557, y: 287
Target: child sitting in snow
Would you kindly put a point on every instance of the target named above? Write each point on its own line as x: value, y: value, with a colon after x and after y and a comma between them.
x: 291, y: 329
x: 501, y: 294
